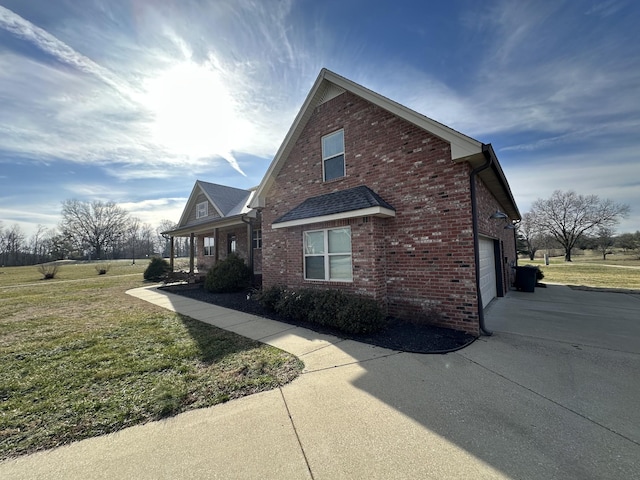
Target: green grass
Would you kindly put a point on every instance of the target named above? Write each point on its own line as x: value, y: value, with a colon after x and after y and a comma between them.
x: 80, y: 358
x: 618, y: 271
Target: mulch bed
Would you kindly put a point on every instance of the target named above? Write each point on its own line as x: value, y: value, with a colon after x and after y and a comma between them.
x: 398, y: 335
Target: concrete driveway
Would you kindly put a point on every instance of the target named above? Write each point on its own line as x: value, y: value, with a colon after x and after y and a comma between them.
x: 552, y: 394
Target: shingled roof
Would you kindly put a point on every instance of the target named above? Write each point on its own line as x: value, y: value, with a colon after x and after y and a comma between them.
x: 228, y: 200
x: 357, y: 201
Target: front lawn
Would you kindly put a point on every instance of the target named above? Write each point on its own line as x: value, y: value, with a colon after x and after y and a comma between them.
x: 618, y: 271
x: 80, y: 358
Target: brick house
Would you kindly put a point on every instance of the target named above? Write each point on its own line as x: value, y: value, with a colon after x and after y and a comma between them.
x: 218, y: 221
x: 368, y: 196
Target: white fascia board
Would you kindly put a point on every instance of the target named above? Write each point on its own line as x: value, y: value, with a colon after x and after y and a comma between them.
x: 206, y: 226
x: 365, y: 212
x: 461, y: 144
x: 305, y: 111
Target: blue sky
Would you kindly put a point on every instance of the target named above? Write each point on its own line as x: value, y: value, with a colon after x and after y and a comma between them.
x: 133, y: 100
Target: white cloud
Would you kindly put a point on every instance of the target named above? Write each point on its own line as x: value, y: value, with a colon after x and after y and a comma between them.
x: 191, y: 103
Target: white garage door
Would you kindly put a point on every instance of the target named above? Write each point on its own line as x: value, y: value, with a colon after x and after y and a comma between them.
x: 488, y: 288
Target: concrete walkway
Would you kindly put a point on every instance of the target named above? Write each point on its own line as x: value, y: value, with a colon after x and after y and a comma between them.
x: 553, y: 394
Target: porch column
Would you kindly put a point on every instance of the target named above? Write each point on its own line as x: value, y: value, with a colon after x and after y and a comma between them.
x: 171, y: 252
x: 215, y: 246
x: 191, y: 253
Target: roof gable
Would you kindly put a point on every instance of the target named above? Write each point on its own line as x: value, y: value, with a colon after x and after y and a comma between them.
x: 227, y: 201
x: 329, y: 85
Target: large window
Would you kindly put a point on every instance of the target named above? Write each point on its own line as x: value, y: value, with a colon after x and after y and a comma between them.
x: 333, y: 155
x: 327, y: 254
x: 202, y: 210
x: 209, y: 246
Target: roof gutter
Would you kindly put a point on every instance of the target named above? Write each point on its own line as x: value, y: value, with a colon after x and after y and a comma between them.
x: 487, y: 152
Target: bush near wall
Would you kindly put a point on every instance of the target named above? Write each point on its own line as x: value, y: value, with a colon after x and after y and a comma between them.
x: 229, y: 275
x: 346, y: 312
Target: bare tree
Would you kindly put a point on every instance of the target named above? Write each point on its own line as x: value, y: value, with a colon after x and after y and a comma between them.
x: 38, y: 244
x: 604, y: 240
x: 629, y: 242
x: 93, y: 225
x: 133, y: 228
x: 567, y: 216
x: 164, y: 226
x: 12, y: 245
x: 146, y: 239
x: 530, y: 235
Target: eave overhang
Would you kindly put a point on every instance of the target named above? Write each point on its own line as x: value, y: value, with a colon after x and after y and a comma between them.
x: 364, y: 212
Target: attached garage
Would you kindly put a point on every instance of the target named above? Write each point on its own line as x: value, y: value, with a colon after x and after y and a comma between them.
x: 488, y: 277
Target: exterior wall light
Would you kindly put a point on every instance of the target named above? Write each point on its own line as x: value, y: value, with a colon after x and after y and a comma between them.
x: 498, y: 215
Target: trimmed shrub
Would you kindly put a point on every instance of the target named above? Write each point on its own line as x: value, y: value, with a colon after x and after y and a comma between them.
x: 269, y: 297
x: 229, y: 275
x: 295, y: 304
x: 157, y: 270
x: 346, y: 312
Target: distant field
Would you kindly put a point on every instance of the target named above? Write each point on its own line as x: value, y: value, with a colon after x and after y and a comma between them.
x: 589, y: 269
x: 70, y: 270
x: 80, y: 358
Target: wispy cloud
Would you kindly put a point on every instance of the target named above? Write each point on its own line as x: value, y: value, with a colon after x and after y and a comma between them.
x: 141, y: 92
x: 194, y: 100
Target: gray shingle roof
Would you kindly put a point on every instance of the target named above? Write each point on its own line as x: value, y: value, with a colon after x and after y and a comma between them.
x: 228, y: 199
x: 357, y: 198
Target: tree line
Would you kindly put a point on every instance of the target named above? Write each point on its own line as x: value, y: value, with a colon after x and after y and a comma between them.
x: 88, y: 231
x: 568, y: 221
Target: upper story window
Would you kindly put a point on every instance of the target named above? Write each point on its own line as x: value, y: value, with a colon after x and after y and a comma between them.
x: 327, y: 254
x: 333, y: 155
x: 202, y: 210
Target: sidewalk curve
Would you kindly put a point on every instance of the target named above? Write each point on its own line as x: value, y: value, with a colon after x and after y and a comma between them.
x: 357, y: 411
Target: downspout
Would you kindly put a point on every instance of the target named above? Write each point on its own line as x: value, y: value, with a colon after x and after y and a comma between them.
x: 476, y: 241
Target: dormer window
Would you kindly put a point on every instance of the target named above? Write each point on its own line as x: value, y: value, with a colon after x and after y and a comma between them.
x: 202, y: 210
x: 333, y: 155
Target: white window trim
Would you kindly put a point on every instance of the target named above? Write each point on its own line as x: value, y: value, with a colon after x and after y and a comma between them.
x: 326, y: 255
x: 256, y: 240
x: 210, y: 247
x: 205, y: 210
x: 324, y: 159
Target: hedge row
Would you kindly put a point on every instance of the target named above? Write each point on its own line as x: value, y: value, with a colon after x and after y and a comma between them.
x: 330, y: 308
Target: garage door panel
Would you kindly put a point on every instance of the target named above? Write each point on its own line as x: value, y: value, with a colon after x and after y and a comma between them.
x: 488, y: 288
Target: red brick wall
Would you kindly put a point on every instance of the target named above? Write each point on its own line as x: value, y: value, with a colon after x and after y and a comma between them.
x: 205, y: 262
x: 418, y: 262
x: 493, y: 228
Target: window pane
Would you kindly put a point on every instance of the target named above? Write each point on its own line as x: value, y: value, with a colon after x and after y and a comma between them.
x: 314, y: 268
x: 313, y: 242
x: 340, y: 267
x: 334, y: 168
x: 333, y: 144
x: 340, y: 240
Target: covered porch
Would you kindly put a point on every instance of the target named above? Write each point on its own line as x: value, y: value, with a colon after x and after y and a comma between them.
x: 213, y: 241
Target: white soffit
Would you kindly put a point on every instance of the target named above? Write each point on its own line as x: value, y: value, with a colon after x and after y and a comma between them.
x: 365, y: 212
